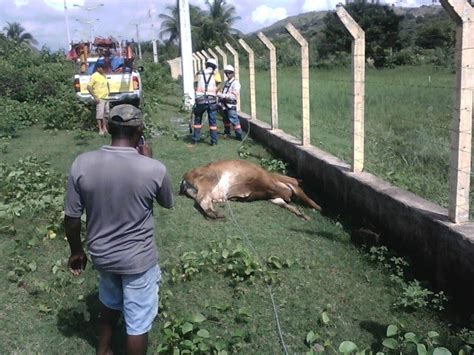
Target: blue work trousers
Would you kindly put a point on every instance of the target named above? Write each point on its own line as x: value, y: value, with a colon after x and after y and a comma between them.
x: 211, y: 110
x: 231, y: 118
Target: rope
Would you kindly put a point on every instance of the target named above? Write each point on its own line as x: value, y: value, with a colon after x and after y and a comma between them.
x: 269, y: 287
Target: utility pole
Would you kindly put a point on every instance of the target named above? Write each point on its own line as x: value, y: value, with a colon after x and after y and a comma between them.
x: 186, y: 48
x: 139, y: 45
x: 67, y: 27
x: 152, y: 14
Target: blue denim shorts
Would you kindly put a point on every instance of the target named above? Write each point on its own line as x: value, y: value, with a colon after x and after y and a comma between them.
x: 135, y: 295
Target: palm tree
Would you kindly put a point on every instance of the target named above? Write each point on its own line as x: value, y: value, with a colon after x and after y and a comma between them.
x: 16, y: 32
x: 170, y: 25
x: 219, y: 23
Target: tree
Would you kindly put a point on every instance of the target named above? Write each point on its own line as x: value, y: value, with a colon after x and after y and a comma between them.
x: 16, y: 32
x: 381, y: 26
x: 217, y: 27
x: 208, y: 28
x: 170, y: 25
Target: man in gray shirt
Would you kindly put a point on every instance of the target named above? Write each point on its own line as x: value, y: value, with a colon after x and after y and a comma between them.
x: 116, y: 186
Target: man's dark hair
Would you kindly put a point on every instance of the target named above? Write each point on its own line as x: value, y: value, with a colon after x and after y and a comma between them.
x: 119, y: 131
x: 99, y: 65
x: 210, y: 65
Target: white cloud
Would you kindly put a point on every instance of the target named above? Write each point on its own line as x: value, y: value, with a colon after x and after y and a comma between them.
x: 19, y: 3
x: 59, y: 4
x: 319, y: 5
x: 264, y: 13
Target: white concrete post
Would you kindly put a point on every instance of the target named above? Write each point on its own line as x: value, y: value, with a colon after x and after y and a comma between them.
x: 358, y: 88
x: 235, y: 54
x: 223, y: 55
x: 304, y: 81
x: 462, y: 13
x: 194, y: 65
x: 186, y: 49
x: 273, y: 78
x: 198, y: 62
x: 213, y: 55
x: 202, y: 59
x: 253, y: 103
x: 205, y: 54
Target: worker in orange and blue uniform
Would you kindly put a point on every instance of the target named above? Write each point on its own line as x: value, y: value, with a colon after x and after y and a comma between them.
x: 206, y: 100
x: 228, y: 99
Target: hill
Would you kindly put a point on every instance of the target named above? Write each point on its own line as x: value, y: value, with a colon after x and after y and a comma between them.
x: 311, y: 23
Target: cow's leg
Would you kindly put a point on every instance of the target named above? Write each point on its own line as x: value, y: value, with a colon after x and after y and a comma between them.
x: 280, y: 202
x: 205, y: 202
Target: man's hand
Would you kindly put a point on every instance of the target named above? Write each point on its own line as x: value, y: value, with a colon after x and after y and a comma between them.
x: 145, y: 150
x: 77, y: 263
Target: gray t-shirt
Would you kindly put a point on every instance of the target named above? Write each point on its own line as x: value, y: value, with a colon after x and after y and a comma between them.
x: 116, y: 186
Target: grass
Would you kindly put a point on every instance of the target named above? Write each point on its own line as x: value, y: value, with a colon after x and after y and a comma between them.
x: 48, y: 311
x: 408, y: 114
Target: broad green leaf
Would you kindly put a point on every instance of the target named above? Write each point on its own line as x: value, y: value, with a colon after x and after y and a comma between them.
x: 433, y: 334
x: 325, y: 317
x: 198, y: 318
x: 347, y: 347
x: 392, y: 330
x: 225, y: 253
x: 390, y: 343
x: 186, y: 328
x: 238, y: 334
x: 411, y: 337
x: 219, y: 345
x: 203, y: 333
x: 32, y: 266
x: 421, y: 349
x: 244, y: 312
x: 311, y: 337
x: 441, y: 351
x: 187, y: 343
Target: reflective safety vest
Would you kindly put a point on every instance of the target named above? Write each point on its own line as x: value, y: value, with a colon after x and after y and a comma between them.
x: 232, y: 91
x: 206, y: 83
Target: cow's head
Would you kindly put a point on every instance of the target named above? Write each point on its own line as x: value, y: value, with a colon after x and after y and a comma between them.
x: 187, y: 189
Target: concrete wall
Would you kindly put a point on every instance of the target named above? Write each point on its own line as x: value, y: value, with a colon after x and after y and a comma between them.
x: 440, y: 251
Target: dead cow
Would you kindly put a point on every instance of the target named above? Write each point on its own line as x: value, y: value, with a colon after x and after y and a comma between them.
x: 242, y: 181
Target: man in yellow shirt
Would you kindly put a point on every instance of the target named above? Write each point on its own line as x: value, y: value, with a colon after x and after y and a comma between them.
x: 98, y: 87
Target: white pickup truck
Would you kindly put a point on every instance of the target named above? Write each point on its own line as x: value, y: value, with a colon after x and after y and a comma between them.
x: 125, y: 85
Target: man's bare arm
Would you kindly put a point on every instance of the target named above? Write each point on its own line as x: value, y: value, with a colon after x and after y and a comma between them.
x: 78, y: 260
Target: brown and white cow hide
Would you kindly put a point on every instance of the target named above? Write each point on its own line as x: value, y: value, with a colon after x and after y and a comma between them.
x: 241, y: 180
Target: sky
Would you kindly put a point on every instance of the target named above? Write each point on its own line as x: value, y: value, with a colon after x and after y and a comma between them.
x: 46, y: 19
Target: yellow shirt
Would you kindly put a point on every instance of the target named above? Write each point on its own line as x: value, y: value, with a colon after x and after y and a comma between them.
x: 99, y: 85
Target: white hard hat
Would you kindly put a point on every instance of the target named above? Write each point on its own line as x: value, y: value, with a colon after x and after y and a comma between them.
x: 212, y: 61
x: 229, y: 68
